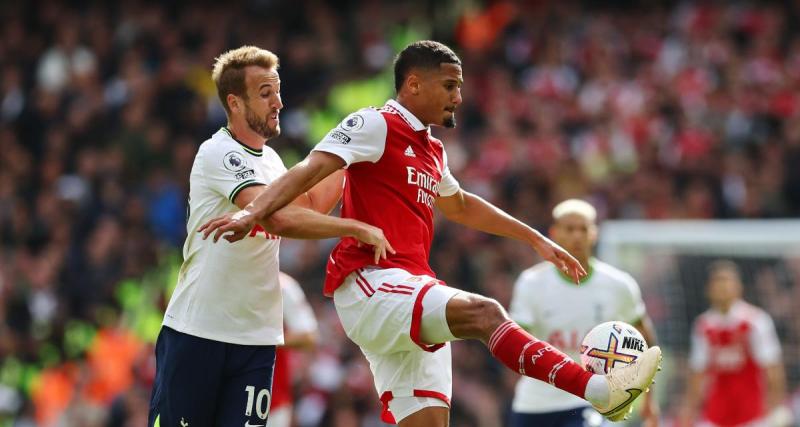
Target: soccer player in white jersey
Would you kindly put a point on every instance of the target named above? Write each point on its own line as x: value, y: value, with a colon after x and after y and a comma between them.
x: 549, y: 304
x: 300, y: 333
x: 399, y: 314
x: 216, y: 349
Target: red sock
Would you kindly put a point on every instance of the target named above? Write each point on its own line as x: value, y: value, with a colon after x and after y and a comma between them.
x: 523, y: 353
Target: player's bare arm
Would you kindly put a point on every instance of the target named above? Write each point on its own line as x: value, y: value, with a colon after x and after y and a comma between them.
x: 472, y: 211
x: 297, y: 180
x: 650, y: 411
x: 778, y: 413
x: 776, y: 385
x: 692, y: 398
x: 261, y: 208
x: 324, y: 196
x: 299, y: 340
x: 302, y: 223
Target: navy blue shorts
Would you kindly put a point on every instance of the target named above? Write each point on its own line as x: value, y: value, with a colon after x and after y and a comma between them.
x: 206, y: 383
x: 579, y: 417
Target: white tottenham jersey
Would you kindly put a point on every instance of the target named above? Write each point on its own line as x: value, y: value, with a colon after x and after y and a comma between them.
x: 553, y: 308
x: 228, y: 292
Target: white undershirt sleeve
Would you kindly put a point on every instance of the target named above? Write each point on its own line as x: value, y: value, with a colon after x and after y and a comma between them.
x: 448, y: 185
x: 634, y: 310
x: 698, y: 352
x: 764, y: 341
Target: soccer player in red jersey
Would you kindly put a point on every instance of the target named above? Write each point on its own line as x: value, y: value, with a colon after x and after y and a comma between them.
x: 736, y: 358
x: 394, y: 308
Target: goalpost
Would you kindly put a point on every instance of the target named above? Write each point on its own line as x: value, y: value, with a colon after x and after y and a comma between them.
x: 669, y: 259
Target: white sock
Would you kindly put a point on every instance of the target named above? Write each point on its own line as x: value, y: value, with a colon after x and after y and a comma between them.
x: 597, y: 392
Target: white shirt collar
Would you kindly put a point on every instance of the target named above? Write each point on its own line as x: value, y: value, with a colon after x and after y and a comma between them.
x: 734, y: 312
x: 410, y: 118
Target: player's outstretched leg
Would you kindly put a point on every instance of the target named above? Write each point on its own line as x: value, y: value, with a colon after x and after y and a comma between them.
x: 472, y: 316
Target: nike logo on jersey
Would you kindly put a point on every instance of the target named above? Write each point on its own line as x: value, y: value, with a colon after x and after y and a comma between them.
x: 247, y: 424
x: 409, y: 152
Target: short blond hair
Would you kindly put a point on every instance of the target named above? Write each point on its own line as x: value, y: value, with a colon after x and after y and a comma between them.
x: 575, y: 206
x: 228, y: 73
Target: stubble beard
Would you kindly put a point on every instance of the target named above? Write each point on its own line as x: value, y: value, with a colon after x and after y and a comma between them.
x: 259, y: 125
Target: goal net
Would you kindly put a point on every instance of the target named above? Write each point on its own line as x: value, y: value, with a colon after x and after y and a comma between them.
x: 669, y: 259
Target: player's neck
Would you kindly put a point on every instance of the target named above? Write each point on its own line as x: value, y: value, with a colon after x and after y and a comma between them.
x: 409, y: 105
x: 726, y: 308
x: 242, y: 133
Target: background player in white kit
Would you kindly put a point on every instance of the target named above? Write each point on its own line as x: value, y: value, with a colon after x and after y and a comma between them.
x: 401, y: 317
x: 216, y: 349
x: 550, y: 305
x: 299, y: 333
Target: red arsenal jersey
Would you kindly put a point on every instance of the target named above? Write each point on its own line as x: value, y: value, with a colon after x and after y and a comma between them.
x: 395, y: 171
x: 732, y: 349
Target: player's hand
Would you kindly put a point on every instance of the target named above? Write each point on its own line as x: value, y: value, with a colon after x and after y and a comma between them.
x: 239, y: 223
x: 565, y: 262
x: 373, y: 236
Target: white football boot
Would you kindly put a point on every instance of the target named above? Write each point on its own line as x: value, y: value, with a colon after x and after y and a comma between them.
x: 627, y: 383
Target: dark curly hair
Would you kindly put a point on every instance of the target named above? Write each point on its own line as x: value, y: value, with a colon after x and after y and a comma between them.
x: 425, y: 54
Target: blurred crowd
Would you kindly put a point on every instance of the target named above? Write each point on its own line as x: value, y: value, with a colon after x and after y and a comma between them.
x: 650, y: 110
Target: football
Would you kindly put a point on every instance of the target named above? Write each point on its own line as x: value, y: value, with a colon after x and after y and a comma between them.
x: 610, y: 345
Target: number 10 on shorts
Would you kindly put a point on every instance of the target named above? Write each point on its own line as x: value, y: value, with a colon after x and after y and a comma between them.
x: 259, y: 401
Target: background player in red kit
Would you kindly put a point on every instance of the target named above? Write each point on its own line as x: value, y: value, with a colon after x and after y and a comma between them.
x: 401, y: 317
x: 736, y: 358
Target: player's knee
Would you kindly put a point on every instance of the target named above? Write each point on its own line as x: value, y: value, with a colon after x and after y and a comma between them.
x: 475, y: 316
x: 493, y: 315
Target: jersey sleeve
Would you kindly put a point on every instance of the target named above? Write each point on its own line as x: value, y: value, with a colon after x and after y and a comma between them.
x: 633, y: 310
x: 297, y: 313
x: 360, y: 137
x: 764, y: 341
x: 448, y: 185
x: 522, y: 308
x: 698, y: 351
x: 227, y: 169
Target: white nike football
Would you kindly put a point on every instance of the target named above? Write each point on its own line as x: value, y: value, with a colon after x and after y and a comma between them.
x: 610, y: 345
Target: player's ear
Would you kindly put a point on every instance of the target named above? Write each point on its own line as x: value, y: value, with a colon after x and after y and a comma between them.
x: 233, y: 103
x: 593, y: 232
x: 413, y: 83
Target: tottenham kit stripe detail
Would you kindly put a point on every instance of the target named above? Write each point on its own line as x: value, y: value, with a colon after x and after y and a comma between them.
x: 242, y: 186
